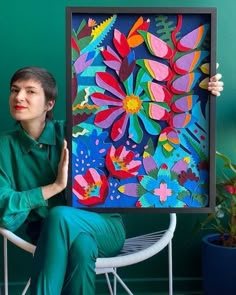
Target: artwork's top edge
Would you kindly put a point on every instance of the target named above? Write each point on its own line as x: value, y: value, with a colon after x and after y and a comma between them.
x: 134, y: 10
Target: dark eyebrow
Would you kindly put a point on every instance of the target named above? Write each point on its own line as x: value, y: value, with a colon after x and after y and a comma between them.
x: 28, y: 87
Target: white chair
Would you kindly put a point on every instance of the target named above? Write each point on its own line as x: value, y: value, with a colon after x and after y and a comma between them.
x: 135, y: 250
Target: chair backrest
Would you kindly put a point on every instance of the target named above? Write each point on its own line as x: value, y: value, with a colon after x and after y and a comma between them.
x: 18, y: 241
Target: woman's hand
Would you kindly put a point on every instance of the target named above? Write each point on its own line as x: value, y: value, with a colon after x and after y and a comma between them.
x: 60, y: 183
x: 215, y: 85
x: 62, y: 176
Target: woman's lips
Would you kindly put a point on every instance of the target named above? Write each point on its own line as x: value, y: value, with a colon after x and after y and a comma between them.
x: 19, y: 108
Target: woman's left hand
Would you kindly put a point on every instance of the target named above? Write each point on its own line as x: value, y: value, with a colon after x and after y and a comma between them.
x: 215, y: 85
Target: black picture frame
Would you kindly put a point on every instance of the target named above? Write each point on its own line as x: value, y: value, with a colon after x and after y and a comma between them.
x: 124, y: 43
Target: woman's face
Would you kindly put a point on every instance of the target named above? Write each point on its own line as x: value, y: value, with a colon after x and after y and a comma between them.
x: 27, y: 101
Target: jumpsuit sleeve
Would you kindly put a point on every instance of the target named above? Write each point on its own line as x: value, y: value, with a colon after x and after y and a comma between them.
x: 15, y: 206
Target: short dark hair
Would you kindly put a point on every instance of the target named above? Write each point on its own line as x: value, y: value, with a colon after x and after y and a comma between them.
x: 42, y: 76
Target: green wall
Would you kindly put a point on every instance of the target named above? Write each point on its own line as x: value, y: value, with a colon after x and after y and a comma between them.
x: 33, y: 33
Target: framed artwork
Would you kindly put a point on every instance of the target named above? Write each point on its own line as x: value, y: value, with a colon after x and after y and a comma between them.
x: 140, y: 120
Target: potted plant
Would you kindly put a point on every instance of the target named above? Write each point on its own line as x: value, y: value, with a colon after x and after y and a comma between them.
x: 219, y: 247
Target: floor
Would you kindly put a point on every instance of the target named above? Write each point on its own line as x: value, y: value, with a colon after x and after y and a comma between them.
x: 119, y: 293
x: 136, y: 288
x: 16, y: 291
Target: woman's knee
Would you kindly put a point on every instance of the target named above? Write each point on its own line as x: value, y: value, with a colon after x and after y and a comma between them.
x: 85, y: 249
x: 58, y: 213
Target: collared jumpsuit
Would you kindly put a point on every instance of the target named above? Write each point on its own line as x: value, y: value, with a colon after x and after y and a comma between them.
x: 68, y: 239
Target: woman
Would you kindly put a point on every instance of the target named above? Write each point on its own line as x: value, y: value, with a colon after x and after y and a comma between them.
x: 32, y: 182
x: 33, y: 176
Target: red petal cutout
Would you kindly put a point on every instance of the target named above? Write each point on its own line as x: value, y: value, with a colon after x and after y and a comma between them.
x: 109, y: 56
x: 118, y: 127
x: 120, y: 43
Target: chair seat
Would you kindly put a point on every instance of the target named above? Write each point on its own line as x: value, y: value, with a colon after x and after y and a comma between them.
x: 135, y: 244
x: 140, y: 248
x: 131, y: 246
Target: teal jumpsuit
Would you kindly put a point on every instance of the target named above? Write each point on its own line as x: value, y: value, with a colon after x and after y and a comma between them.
x: 68, y: 240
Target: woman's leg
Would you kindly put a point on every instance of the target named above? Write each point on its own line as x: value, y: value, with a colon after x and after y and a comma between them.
x: 80, y: 276
x: 67, y: 233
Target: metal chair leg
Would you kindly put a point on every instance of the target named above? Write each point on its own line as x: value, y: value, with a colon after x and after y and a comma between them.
x: 5, y: 266
x: 170, y: 268
x: 26, y: 288
x: 109, y: 283
x: 122, y: 283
